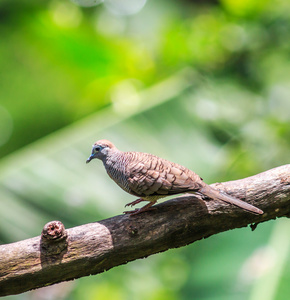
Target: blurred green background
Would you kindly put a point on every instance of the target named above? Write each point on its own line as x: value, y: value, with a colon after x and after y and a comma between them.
x: 202, y: 83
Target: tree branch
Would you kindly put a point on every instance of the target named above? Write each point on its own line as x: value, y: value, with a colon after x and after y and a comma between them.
x: 60, y: 255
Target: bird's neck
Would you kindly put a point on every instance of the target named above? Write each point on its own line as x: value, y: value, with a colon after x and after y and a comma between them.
x: 113, y: 162
x: 115, y: 165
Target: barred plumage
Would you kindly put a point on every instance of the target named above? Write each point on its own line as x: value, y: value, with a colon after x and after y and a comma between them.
x: 151, y: 178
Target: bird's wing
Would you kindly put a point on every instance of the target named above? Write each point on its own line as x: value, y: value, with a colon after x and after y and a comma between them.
x: 152, y: 176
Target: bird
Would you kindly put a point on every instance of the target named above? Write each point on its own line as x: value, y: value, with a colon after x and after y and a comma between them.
x: 151, y: 178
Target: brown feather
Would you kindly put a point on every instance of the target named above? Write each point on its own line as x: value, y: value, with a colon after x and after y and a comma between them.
x: 151, y: 178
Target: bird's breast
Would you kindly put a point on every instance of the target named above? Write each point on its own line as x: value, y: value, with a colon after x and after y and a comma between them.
x: 117, y: 171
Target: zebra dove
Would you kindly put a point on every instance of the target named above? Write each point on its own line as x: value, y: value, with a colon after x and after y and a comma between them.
x: 150, y: 177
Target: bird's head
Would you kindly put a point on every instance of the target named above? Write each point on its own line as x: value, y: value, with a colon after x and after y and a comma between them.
x: 100, y: 150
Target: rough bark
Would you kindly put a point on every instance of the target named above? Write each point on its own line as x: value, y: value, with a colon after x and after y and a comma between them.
x: 60, y: 255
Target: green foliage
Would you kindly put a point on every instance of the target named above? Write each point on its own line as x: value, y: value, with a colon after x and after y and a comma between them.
x: 202, y: 84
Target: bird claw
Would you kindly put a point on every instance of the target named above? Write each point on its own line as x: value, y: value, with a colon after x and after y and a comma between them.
x: 131, y: 211
x: 138, y: 210
x: 134, y: 202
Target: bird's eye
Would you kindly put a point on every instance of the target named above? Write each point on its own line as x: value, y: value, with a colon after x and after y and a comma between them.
x: 97, y: 149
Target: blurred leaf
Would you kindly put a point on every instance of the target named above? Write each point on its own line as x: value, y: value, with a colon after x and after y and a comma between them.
x: 225, y: 115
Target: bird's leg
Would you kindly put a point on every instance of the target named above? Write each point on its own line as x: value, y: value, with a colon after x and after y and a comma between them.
x: 142, y: 209
x: 135, y: 202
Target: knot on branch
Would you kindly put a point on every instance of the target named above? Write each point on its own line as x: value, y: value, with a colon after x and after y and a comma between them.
x: 53, y: 230
x: 53, y: 238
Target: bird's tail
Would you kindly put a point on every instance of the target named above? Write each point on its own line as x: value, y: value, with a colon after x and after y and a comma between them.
x: 217, y: 195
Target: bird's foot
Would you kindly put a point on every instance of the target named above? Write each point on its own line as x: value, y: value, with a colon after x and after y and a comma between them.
x: 134, y: 202
x: 137, y: 211
x: 132, y: 212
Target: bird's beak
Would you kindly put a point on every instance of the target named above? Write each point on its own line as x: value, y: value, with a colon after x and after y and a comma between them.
x: 90, y: 158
